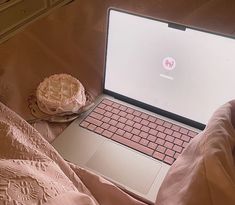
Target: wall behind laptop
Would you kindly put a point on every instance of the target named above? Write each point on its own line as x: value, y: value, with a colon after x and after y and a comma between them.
x: 72, y: 40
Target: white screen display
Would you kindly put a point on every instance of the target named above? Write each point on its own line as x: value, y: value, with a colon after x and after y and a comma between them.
x: 189, y: 73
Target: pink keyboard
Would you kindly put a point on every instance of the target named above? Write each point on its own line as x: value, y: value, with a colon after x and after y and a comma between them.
x: 153, y: 136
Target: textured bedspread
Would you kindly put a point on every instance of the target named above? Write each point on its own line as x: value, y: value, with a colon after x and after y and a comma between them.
x: 32, y: 172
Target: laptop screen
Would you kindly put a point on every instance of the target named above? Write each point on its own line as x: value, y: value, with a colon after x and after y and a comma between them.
x: 184, y: 71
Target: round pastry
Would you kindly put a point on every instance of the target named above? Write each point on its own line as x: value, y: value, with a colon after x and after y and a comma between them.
x: 60, y: 93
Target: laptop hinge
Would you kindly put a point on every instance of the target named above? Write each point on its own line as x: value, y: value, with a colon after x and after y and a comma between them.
x: 176, y: 26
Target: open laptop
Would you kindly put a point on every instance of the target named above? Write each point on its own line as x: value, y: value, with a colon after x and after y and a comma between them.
x: 162, y: 82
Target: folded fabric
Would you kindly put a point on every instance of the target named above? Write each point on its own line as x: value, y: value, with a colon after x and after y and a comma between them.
x: 32, y: 172
x: 205, y: 172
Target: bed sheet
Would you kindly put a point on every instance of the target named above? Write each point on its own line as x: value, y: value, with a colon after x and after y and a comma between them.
x: 32, y: 172
x: 205, y: 172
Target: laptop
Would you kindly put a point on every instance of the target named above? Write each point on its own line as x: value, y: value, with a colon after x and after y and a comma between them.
x: 162, y: 82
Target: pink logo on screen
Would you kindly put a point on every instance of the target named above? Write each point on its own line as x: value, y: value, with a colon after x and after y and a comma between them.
x: 169, y: 63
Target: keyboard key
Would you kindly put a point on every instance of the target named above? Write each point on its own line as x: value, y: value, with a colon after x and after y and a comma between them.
x: 185, y: 144
x: 160, y: 128
x: 152, y: 125
x: 176, y: 134
x: 122, y: 107
x: 122, y: 113
x: 136, y: 113
x: 175, y: 127
x: 192, y: 134
x: 158, y: 155
x: 101, y: 105
x: 143, y: 135
x: 145, y: 128
x: 91, y: 127
x: 160, y: 141
x: 152, y: 145
x: 120, y: 125
x: 96, y: 115
x: 108, y: 108
x: 144, y: 122
x: 93, y: 121
x: 153, y: 132
x: 161, y: 135
x: 130, y: 116
x: 115, y: 117
x: 144, y: 116
x: 105, y: 126
x: 137, y: 125
x: 176, y: 155
x: 128, y: 128
x: 115, y: 111
x: 113, y: 122
x: 107, y: 102
x: 177, y: 148
x: 168, y: 131
x: 178, y: 141
x: 135, y: 131
x: 107, y: 134
x: 137, y: 119
x: 136, y: 138
x: 169, y: 160
x: 132, y: 144
x: 170, y: 138
x: 152, y: 119
x: 105, y: 119
x: 170, y: 152
x: 130, y: 122
x: 144, y: 142
x: 183, y: 131
x: 115, y: 105
x: 161, y: 149
x: 112, y: 129
x: 108, y: 114
x: 129, y: 110
x: 167, y: 124
x: 99, y: 130
x: 168, y: 145
x: 185, y: 138
x: 151, y: 138
x: 159, y: 121
x: 120, y: 132
x: 84, y: 124
x: 127, y: 135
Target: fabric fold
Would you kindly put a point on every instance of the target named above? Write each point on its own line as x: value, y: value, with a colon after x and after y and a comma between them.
x: 205, y: 172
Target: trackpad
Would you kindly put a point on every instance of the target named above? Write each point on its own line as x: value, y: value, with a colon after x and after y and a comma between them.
x: 124, y: 166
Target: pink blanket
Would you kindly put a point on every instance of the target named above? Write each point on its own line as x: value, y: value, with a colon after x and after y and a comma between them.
x: 32, y: 172
x: 205, y: 173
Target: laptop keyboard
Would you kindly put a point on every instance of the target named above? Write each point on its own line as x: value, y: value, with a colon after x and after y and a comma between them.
x: 150, y: 135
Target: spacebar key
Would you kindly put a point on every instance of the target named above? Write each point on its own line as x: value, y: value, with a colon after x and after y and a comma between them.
x: 132, y: 144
